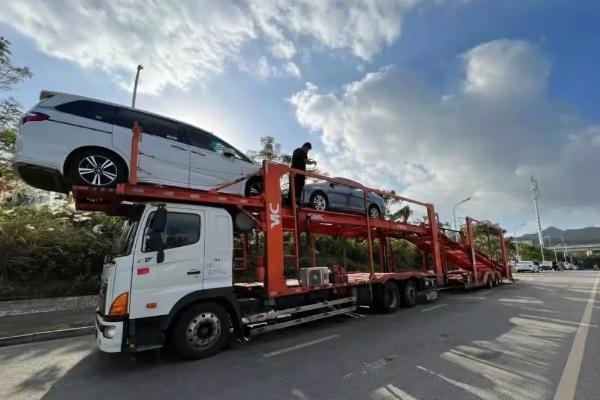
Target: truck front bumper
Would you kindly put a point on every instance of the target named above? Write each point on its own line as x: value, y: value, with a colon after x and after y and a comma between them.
x: 109, y: 335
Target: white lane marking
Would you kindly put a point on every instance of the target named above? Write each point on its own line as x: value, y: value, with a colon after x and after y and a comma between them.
x: 522, y: 300
x: 298, y: 394
x: 568, y: 381
x: 472, y: 297
x: 434, y: 307
x: 482, y: 394
x: 390, y: 392
x: 299, y: 346
x: 564, y: 321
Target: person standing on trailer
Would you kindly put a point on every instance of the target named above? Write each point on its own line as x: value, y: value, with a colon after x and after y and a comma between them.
x: 299, y: 161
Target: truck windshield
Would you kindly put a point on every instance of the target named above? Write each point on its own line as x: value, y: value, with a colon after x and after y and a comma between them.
x: 123, y: 242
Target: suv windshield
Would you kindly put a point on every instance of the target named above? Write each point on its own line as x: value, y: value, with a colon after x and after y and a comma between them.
x: 123, y: 242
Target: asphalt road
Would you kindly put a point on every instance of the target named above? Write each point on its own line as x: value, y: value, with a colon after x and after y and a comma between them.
x: 538, y: 339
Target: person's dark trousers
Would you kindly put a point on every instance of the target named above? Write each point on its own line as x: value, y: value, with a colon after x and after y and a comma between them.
x: 298, y: 186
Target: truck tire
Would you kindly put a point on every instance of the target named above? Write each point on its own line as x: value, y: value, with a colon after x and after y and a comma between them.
x: 489, y: 283
x: 409, y: 294
x: 389, y: 299
x: 201, y: 331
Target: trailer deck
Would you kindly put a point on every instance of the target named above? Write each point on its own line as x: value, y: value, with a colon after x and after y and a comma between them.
x: 450, y: 261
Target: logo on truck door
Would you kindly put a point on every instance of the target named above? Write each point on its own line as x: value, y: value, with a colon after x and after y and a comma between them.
x: 275, y: 216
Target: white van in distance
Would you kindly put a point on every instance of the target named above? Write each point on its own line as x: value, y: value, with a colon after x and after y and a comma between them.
x: 67, y: 140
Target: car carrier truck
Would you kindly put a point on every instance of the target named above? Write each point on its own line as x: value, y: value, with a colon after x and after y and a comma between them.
x: 170, y: 280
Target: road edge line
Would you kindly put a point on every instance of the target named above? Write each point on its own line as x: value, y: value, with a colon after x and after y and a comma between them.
x: 567, y: 386
x: 47, y: 335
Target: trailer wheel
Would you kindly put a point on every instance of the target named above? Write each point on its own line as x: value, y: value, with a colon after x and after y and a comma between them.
x: 389, y: 299
x: 202, y: 330
x: 489, y: 282
x: 409, y: 294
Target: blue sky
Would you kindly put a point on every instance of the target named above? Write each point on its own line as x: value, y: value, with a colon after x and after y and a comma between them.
x: 438, y: 100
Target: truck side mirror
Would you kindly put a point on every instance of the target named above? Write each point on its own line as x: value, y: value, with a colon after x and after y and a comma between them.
x: 154, y: 242
x: 159, y: 221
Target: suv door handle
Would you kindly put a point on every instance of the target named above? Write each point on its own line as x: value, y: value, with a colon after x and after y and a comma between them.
x: 193, y: 272
x: 178, y: 147
x: 197, y: 152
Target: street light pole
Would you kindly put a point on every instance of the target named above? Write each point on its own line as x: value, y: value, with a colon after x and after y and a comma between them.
x: 454, y: 209
x: 135, y: 84
x: 516, y: 242
x: 564, y: 249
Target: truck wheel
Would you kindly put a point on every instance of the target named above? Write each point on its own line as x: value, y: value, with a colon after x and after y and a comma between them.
x: 489, y: 282
x: 389, y: 300
x: 202, y: 330
x: 409, y: 294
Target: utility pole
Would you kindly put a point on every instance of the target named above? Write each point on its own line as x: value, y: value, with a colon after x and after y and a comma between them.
x: 564, y: 249
x: 135, y: 84
x: 535, y: 195
x: 454, y: 209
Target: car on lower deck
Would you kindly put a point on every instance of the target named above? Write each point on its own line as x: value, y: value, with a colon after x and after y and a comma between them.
x: 336, y: 196
x: 67, y: 140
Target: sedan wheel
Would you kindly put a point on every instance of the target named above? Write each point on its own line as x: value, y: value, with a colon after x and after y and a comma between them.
x: 318, y: 201
x: 374, y: 211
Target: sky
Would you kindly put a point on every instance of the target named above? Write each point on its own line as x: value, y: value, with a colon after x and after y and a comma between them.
x: 438, y: 100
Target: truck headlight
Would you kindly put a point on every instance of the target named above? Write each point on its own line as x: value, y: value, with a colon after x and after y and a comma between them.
x: 109, y: 332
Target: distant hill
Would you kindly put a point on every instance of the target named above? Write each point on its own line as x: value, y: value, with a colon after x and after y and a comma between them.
x: 572, y: 236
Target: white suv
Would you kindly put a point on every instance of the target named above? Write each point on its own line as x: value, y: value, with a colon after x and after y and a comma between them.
x: 68, y: 140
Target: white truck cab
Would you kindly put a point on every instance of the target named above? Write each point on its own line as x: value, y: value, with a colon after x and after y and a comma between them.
x: 170, y: 281
x: 166, y: 257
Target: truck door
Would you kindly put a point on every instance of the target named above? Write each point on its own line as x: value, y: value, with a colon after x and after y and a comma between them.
x: 156, y: 287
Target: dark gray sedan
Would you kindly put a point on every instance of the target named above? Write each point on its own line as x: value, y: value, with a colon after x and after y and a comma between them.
x: 333, y: 196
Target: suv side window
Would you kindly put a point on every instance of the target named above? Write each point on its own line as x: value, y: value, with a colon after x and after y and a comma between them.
x: 208, y: 141
x: 150, y: 124
x: 199, y: 138
x: 88, y: 109
x: 181, y: 230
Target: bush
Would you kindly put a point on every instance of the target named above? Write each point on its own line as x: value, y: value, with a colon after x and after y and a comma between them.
x: 51, y: 251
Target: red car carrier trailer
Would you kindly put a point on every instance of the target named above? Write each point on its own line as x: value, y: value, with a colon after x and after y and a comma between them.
x: 171, y: 280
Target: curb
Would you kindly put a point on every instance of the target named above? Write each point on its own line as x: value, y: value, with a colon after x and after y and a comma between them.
x: 47, y: 335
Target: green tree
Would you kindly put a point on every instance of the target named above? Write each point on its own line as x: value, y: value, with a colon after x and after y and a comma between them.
x: 11, y: 76
x: 270, y: 151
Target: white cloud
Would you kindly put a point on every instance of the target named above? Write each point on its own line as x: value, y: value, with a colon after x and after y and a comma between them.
x: 504, y: 68
x: 292, y: 69
x: 363, y: 27
x: 393, y: 129
x: 178, y: 42
x: 188, y: 41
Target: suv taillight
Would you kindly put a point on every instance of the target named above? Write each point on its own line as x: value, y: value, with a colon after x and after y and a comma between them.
x: 33, y: 117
